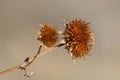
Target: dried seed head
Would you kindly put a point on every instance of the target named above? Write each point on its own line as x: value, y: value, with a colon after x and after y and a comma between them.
x: 48, y: 35
x: 79, y: 38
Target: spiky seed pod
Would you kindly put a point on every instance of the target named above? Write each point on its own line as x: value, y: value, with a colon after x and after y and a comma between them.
x: 79, y: 38
x: 48, y: 35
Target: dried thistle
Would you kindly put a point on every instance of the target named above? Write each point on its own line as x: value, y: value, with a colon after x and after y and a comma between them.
x: 48, y: 35
x: 79, y: 38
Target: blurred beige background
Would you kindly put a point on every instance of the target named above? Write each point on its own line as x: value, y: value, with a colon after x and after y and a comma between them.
x: 19, y: 21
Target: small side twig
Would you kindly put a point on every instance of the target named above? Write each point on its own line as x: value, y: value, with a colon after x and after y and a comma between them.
x: 26, y: 64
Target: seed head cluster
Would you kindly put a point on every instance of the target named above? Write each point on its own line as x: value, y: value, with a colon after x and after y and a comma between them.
x: 79, y: 38
x: 48, y: 35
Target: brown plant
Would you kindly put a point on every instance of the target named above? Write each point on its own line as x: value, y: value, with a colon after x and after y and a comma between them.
x: 78, y: 41
x: 79, y: 38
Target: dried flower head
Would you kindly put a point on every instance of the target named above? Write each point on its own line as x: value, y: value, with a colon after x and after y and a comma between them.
x: 79, y: 38
x: 48, y: 35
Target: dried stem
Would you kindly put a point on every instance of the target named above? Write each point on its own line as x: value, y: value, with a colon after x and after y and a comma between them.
x: 25, y: 64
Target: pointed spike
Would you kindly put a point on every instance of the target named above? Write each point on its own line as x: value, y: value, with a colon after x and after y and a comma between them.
x: 63, y: 41
x: 27, y: 59
x: 29, y: 75
x: 39, y: 32
x: 60, y: 32
x: 65, y: 22
x: 74, y: 60
x: 71, y: 55
x: 41, y: 25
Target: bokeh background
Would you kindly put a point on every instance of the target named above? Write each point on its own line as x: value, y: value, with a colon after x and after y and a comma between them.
x: 19, y: 23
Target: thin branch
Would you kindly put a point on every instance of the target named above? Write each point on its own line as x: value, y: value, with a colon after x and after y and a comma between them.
x: 26, y: 64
